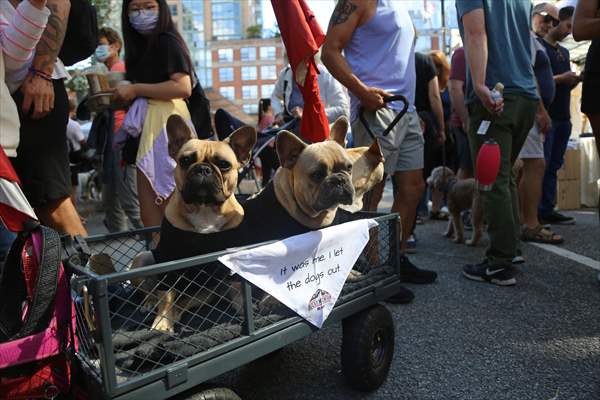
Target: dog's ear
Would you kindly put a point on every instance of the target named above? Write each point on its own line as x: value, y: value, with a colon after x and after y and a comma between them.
x: 242, y: 142
x: 339, y: 130
x: 374, y: 153
x: 430, y: 181
x: 178, y: 132
x: 289, y: 148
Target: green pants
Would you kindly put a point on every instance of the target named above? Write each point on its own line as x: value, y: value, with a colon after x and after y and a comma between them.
x: 501, y: 206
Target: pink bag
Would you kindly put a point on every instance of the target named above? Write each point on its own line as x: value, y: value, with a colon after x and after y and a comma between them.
x: 37, y: 319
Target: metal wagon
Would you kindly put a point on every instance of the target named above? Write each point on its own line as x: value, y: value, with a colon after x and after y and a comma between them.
x: 120, y: 356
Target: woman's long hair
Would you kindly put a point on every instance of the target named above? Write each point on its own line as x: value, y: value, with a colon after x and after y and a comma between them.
x: 136, y: 43
x: 442, y: 66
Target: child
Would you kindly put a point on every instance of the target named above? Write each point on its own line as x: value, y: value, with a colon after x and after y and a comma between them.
x: 159, y: 66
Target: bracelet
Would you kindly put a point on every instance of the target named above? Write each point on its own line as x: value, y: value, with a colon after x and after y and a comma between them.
x: 43, y: 75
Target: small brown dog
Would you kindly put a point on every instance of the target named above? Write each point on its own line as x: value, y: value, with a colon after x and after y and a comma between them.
x: 462, y: 195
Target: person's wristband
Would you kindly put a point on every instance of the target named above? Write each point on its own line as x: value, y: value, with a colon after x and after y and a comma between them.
x: 34, y: 72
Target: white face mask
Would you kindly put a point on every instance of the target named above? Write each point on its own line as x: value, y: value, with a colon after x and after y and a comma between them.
x: 143, y: 21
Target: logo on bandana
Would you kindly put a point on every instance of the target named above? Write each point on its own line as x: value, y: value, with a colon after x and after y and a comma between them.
x: 319, y: 300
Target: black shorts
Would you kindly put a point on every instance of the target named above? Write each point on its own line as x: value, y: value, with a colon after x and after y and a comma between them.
x: 589, y: 97
x: 463, y: 150
x: 42, y: 161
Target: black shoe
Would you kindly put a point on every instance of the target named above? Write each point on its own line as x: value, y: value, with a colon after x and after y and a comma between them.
x: 404, y: 296
x: 484, y: 272
x: 409, y: 273
x: 557, y: 218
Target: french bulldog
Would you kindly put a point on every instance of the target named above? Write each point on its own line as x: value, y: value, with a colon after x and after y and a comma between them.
x: 203, y: 203
x: 462, y: 195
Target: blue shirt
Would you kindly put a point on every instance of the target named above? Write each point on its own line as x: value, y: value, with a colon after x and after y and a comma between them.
x: 543, y: 74
x: 509, y: 45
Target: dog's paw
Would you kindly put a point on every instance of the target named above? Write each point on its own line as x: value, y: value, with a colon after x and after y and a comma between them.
x: 354, y: 276
x: 458, y: 240
x: 447, y: 234
x: 163, y: 324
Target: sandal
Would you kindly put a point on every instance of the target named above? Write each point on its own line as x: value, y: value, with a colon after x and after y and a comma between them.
x: 540, y: 234
x: 438, y: 215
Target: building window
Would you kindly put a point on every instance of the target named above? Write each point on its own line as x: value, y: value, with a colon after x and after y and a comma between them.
x: 268, y: 53
x: 268, y: 72
x: 225, y: 55
x: 173, y: 8
x: 249, y: 92
x: 248, y: 53
x: 267, y: 90
x: 225, y: 74
x: 250, y: 108
x: 248, y: 73
x: 228, y: 92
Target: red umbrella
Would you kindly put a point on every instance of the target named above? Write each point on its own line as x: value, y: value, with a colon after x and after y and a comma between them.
x: 14, y: 207
x: 302, y: 36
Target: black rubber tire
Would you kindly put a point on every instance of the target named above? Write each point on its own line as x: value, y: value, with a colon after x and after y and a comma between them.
x: 367, y: 348
x: 215, y: 394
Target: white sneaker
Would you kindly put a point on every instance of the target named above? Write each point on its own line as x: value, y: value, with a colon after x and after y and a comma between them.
x: 518, y: 260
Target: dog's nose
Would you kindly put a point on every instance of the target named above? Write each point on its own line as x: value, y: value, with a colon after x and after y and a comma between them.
x: 202, y: 169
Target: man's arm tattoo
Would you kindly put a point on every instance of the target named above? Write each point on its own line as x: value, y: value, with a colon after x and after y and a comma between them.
x: 51, y: 42
x: 342, y: 12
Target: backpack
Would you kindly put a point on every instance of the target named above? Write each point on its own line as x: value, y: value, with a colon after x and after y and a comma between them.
x: 81, y: 37
x: 37, y: 319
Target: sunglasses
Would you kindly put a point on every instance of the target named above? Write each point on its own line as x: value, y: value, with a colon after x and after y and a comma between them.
x: 549, y: 19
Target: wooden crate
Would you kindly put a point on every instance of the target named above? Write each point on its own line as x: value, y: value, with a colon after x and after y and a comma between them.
x: 571, y: 167
x: 568, y: 194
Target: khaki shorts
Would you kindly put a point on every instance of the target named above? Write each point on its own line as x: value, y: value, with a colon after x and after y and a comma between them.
x: 534, y: 144
x: 402, y: 148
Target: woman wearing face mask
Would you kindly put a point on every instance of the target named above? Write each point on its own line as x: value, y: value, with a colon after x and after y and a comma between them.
x: 159, y: 66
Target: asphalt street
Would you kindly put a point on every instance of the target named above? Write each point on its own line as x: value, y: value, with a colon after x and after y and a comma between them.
x: 461, y: 339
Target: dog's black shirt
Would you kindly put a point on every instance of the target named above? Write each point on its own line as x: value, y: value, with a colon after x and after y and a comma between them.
x: 264, y: 219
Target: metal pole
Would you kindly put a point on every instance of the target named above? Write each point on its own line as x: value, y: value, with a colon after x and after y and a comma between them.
x: 444, y: 45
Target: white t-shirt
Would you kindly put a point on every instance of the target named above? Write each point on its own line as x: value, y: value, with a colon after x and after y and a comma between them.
x: 74, y: 135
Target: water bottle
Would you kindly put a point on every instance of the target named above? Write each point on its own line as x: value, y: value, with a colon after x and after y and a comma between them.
x: 497, y: 92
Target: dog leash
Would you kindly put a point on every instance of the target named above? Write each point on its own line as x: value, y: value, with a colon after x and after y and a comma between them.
x: 389, y: 99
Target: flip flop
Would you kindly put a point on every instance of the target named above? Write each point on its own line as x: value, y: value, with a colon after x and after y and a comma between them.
x: 540, y: 234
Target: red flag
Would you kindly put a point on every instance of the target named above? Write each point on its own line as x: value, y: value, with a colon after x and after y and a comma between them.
x: 14, y: 207
x: 302, y: 36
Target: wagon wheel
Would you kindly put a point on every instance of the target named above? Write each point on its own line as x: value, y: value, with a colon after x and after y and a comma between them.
x: 215, y: 394
x: 368, y: 348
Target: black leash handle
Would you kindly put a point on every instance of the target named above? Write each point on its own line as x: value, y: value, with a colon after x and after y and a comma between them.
x: 389, y: 99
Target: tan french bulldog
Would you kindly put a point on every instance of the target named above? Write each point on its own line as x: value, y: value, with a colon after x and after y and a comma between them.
x: 314, y: 180
x: 203, y: 202
x: 206, y: 177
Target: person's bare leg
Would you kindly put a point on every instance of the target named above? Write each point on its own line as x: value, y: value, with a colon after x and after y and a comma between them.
x: 151, y: 213
x: 530, y: 190
x: 409, y: 189
x: 61, y: 216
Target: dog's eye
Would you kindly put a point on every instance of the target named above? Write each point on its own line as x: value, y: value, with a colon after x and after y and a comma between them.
x: 186, y: 160
x: 223, y: 165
